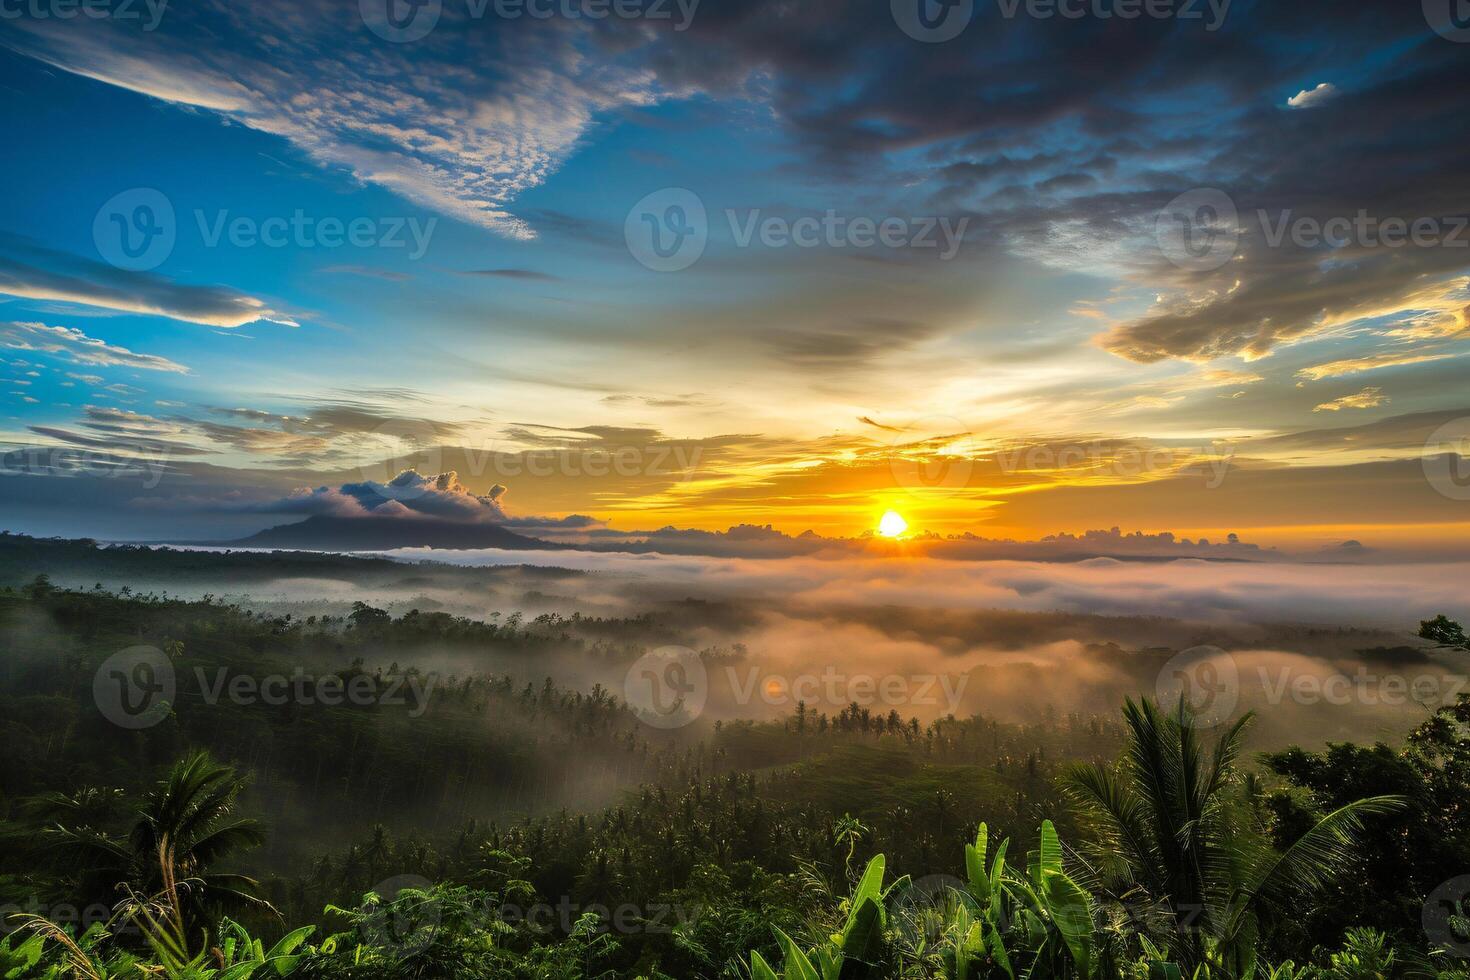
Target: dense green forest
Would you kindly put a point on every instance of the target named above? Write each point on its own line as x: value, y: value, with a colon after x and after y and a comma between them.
x: 497, y: 822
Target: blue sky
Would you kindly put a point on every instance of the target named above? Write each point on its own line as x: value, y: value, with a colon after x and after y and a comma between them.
x: 510, y: 154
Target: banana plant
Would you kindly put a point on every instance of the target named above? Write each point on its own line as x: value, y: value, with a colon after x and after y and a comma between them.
x: 987, y: 888
x: 1057, y: 910
x: 853, y: 952
x: 240, y: 955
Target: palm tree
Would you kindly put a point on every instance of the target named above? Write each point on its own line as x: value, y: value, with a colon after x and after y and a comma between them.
x: 190, y: 818
x: 1178, y: 850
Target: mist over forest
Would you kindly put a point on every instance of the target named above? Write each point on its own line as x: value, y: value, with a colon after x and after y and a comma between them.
x: 734, y: 490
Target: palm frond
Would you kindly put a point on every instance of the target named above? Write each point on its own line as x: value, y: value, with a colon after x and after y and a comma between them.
x: 1311, y: 861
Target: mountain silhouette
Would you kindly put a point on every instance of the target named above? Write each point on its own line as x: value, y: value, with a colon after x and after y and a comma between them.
x: 324, y: 533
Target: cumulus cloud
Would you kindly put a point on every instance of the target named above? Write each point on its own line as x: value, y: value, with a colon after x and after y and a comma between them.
x: 1310, y: 98
x: 409, y: 494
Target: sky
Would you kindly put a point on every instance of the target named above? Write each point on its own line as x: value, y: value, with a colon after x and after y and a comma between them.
x: 1008, y: 267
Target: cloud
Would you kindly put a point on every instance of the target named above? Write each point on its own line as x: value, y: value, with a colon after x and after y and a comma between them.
x: 126, y: 431
x: 462, y: 121
x: 528, y: 275
x: 73, y: 279
x: 860, y: 343
x: 1367, y: 398
x: 1072, y: 173
x: 1281, y: 295
x: 368, y: 272
x: 261, y: 440
x: 691, y: 400
x: 140, y: 445
x: 873, y: 588
x: 76, y: 346
x: 339, y: 418
x: 1368, y: 362
x: 407, y: 495
x: 118, y: 388
x: 764, y: 541
x: 1221, y: 377
x: 327, y: 433
x: 1310, y: 98
x: 1396, y: 435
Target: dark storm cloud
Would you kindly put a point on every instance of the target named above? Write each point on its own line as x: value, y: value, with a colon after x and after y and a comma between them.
x: 1019, y: 120
x: 1394, y: 147
x: 850, y: 83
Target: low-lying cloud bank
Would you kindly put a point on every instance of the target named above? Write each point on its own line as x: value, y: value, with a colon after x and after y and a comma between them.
x: 1323, y: 651
x: 1188, y: 590
x: 442, y: 496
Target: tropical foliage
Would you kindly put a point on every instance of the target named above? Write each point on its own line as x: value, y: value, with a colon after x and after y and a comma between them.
x: 1146, y: 846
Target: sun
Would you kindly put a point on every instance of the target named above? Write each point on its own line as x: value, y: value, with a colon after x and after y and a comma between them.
x: 892, y: 524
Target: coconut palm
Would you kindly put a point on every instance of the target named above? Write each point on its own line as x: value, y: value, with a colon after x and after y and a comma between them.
x: 191, y: 817
x: 1178, y: 849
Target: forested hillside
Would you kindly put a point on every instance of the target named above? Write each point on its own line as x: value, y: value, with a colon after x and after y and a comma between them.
x: 389, y: 819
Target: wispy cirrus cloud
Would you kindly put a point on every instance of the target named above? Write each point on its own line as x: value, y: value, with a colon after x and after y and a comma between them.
x: 74, y: 345
x: 1367, y: 398
x: 51, y: 276
x: 1368, y: 362
x: 462, y: 121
